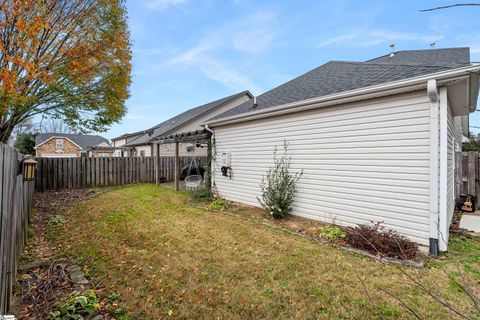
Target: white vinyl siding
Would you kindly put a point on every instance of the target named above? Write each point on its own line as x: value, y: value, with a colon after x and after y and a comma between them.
x: 362, y: 162
x: 168, y: 150
x: 147, y: 150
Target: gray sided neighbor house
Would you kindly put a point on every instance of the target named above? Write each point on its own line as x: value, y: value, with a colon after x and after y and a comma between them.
x: 141, y: 143
x: 376, y: 140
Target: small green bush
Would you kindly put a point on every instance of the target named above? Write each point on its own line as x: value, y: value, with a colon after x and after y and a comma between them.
x: 113, y: 296
x: 332, y: 233
x: 278, y: 186
x: 218, y: 204
x: 56, y: 220
x: 77, y: 306
x: 202, y: 194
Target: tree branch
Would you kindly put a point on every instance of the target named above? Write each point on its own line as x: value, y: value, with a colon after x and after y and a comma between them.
x: 451, y: 6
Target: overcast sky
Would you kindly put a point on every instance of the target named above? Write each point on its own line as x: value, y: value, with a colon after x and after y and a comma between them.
x: 190, y: 52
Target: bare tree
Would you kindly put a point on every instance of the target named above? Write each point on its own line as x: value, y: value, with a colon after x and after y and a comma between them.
x: 55, y: 126
x: 24, y: 127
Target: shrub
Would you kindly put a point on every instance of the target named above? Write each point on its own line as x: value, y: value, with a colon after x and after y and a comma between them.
x: 56, y: 220
x: 218, y: 204
x: 76, y: 306
x: 278, y: 186
x: 379, y: 240
x: 332, y: 233
x: 202, y: 194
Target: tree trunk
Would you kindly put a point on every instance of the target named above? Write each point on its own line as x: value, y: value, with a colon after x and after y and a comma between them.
x: 5, y: 132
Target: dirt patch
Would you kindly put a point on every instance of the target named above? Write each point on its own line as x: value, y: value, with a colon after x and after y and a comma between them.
x: 312, y: 230
x: 297, y: 224
x: 41, y: 288
x: 46, y: 204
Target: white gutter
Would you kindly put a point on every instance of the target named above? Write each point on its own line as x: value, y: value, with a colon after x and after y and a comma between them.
x: 434, y: 148
x: 410, y: 84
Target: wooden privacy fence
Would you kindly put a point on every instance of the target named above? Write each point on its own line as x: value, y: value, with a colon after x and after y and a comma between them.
x: 83, y: 172
x: 16, y: 200
x: 467, y: 173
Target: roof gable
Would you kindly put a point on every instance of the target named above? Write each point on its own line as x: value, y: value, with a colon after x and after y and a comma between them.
x: 84, y: 141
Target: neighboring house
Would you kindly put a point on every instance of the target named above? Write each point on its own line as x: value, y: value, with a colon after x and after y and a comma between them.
x: 119, y: 142
x: 376, y: 140
x: 61, y: 145
x: 141, y: 143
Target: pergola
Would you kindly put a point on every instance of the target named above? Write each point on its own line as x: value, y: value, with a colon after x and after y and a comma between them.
x: 190, y: 136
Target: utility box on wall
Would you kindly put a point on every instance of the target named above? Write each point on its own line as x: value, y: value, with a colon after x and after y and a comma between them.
x: 225, y: 162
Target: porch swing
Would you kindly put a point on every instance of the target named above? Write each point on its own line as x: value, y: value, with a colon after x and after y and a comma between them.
x: 193, y: 182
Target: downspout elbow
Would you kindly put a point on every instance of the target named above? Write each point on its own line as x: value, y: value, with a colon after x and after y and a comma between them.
x: 432, y: 90
x: 208, y: 129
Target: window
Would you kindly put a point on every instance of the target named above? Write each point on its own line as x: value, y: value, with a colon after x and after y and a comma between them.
x: 59, y: 143
x: 190, y: 148
x: 142, y: 153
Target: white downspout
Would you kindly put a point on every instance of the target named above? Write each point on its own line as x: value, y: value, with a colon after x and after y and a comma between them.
x: 434, y: 163
x: 443, y: 206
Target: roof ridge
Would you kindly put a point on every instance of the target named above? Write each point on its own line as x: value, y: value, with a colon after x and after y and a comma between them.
x: 417, y: 50
x: 392, y: 65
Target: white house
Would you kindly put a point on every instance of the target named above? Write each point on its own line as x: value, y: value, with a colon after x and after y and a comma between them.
x: 376, y: 140
x: 141, y: 143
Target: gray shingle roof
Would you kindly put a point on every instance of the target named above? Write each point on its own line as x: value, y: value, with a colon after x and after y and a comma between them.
x: 182, y: 119
x: 339, y: 76
x: 128, y: 135
x: 83, y: 140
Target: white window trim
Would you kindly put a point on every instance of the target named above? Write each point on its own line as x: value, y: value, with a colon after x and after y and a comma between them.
x: 57, y: 143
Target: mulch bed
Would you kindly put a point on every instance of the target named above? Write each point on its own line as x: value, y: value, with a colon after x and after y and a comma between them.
x: 308, y: 228
x: 43, y: 282
x: 297, y: 224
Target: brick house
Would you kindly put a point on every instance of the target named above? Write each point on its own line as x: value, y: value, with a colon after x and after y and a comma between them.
x: 61, y: 145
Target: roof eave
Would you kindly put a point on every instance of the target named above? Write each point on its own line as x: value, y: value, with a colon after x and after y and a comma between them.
x: 410, y: 84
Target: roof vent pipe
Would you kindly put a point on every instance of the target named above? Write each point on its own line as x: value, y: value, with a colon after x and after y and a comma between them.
x: 392, y: 50
x: 432, y: 44
x: 255, y: 102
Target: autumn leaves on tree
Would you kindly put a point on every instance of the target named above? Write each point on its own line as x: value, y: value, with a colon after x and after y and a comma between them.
x: 65, y: 59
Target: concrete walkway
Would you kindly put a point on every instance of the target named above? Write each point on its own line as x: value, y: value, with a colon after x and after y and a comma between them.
x: 471, y: 222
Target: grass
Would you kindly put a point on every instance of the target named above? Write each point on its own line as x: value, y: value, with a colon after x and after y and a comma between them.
x: 165, y: 259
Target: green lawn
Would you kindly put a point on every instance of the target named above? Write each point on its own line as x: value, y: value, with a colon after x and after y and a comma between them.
x: 169, y: 260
